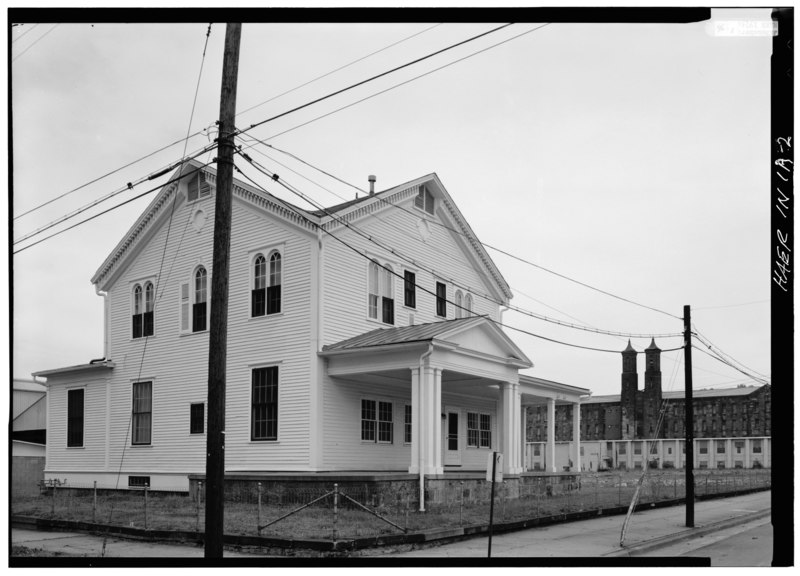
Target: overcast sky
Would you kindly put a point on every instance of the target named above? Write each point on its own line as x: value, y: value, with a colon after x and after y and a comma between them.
x: 634, y: 158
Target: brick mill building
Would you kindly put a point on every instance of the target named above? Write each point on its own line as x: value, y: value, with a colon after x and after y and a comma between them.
x: 732, y: 426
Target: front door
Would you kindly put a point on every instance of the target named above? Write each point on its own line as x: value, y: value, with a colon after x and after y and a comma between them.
x: 452, y: 439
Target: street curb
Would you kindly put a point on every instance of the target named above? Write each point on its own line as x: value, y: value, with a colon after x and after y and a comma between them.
x: 696, y: 532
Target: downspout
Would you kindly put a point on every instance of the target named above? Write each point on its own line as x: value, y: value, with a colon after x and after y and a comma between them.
x: 105, y: 318
x: 420, y: 452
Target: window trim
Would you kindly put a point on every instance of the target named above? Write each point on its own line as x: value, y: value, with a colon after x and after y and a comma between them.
x: 478, y: 443
x: 142, y: 284
x: 384, y: 270
x: 377, y: 421
x: 277, y: 383
x: 82, y: 390
x: 266, y: 252
x: 134, y: 414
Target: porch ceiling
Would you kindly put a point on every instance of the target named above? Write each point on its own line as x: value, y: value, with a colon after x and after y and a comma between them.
x: 452, y: 382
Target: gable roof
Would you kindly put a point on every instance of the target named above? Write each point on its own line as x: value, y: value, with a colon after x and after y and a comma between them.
x: 328, y: 218
x: 419, y: 333
x: 333, y: 217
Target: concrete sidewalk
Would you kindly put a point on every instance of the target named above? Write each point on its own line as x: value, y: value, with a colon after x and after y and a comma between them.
x: 647, y: 531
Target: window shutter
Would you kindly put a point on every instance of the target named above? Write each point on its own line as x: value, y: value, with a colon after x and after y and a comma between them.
x: 193, y: 188
x: 185, y: 307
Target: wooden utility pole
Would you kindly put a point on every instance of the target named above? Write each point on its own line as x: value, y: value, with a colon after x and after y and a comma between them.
x: 688, y: 415
x: 218, y: 327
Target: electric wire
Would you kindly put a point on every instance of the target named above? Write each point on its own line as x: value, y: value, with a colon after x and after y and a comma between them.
x: 461, y: 233
x: 702, y: 338
x: 394, y: 86
x: 372, y: 239
x: 110, y: 195
x: 730, y: 305
x: 150, y: 191
x: 722, y: 360
x: 34, y: 43
x: 336, y: 70
x: 202, y: 131
x: 375, y: 77
x: 23, y: 34
x: 422, y: 288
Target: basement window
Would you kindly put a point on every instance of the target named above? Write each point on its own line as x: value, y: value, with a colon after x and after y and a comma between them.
x: 138, y: 481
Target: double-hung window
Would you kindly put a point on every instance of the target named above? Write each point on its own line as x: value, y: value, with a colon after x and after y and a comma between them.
x: 143, y: 301
x: 479, y: 430
x: 274, y: 288
x: 264, y: 409
x: 75, y: 418
x: 142, y: 413
x: 196, y: 418
x: 377, y: 422
x: 259, y: 294
x: 407, y: 425
x: 200, y: 301
x: 380, y: 300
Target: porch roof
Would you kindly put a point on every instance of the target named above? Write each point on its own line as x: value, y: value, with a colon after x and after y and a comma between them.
x: 401, y: 335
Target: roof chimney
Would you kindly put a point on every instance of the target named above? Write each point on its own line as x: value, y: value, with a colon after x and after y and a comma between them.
x: 371, y: 179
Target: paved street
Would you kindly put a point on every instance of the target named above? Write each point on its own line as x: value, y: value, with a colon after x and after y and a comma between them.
x: 729, y: 524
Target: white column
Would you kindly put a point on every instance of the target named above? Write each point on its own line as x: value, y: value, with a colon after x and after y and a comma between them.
x: 436, y: 464
x: 516, y: 437
x: 729, y: 453
x: 507, y: 426
x: 523, y: 418
x: 747, y: 447
x: 416, y: 422
x: 576, y: 436
x: 550, y: 455
x: 660, y: 453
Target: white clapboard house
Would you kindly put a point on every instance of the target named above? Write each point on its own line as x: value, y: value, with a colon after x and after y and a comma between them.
x: 364, y: 337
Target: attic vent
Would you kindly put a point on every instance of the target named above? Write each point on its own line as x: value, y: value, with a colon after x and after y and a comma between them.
x: 424, y: 200
x: 197, y: 187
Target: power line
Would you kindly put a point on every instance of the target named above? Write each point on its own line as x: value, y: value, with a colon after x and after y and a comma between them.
x: 23, y: 34
x: 461, y: 233
x: 337, y: 70
x: 730, y: 305
x: 34, y: 43
x: 108, y: 210
x: 362, y: 82
x: 373, y: 240
x: 399, y: 84
x: 720, y: 359
x: 110, y: 195
x: 719, y: 351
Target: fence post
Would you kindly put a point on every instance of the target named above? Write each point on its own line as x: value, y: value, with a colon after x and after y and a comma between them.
x: 596, y: 482
x: 258, y: 524
x: 146, y: 486
x: 504, y: 499
x: 94, y: 504
x: 706, y: 490
x: 619, y: 490
x: 53, y: 505
x: 335, y: 510
x: 407, y: 504
x: 197, y: 506
x: 461, y: 504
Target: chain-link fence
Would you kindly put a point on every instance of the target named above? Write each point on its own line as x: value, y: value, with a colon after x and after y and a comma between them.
x: 346, y: 512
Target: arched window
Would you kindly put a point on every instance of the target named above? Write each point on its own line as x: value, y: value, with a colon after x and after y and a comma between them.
x: 137, y: 311
x: 200, y: 301
x: 259, y: 294
x: 274, y: 289
x: 468, y: 305
x: 459, y: 305
x: 381, y: 287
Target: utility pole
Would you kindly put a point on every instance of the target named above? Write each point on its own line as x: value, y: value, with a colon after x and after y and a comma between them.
x: 689, y: 415
x: 218, y: 327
